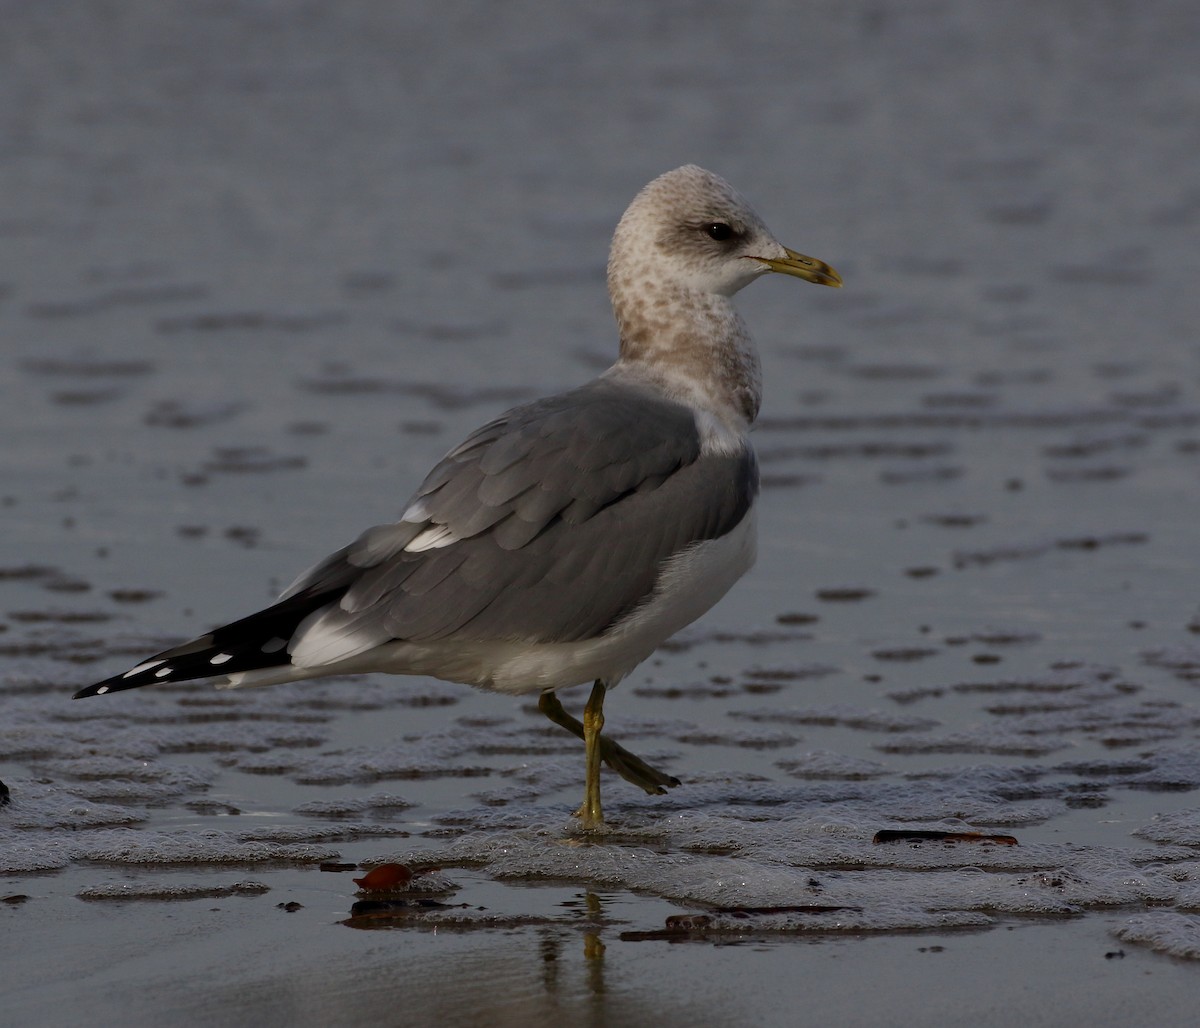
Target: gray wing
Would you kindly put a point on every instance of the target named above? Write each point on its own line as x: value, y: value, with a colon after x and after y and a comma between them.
x: 548, y: 524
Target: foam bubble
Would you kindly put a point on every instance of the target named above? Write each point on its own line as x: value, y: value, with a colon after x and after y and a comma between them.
x: 1177, y: 935
x: 160, y: 891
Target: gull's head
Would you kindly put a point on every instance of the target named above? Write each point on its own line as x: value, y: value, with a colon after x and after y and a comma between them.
x: 690, y: 229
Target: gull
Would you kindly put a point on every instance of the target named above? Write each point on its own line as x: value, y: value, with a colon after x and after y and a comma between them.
x: 561, y: 543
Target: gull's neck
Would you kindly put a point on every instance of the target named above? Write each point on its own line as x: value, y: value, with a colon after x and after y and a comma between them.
x: 692, y: 345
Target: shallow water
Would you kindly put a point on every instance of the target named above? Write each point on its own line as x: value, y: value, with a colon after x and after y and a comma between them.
x: 260, y: 269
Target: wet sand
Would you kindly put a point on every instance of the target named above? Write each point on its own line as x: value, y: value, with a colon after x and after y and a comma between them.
x: 258, y: 272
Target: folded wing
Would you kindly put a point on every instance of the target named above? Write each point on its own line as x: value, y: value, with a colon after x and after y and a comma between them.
x: 549, y: 524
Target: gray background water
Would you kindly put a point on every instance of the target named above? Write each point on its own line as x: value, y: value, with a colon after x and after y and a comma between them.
x: 262, y: 263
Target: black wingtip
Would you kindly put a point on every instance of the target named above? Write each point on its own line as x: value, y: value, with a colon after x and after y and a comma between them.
x: 254, y: 642
x: 149, y: 672
x: 117, y: 684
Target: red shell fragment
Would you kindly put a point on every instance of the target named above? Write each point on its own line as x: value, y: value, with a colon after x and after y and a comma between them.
x: 384, y: 878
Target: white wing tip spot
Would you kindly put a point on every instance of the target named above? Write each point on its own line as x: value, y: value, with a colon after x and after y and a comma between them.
x: 103, y: 689
x: 162, y: 672
x: 434, y: 537
x: 142, y: 667
x: 221, y: 658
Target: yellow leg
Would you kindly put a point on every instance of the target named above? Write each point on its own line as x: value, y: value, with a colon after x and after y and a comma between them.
x: 630, y: 767
x: 593, y: 722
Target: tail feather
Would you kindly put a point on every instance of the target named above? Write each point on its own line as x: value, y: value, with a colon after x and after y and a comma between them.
x: 258, y: 641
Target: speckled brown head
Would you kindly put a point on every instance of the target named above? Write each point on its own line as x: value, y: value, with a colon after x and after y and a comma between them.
x: 685, y: 245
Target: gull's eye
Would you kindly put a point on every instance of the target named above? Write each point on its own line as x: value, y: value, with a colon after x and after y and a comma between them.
x: 719, y: 231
